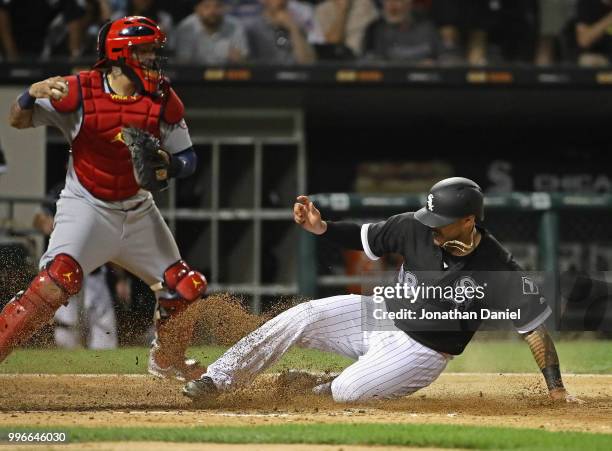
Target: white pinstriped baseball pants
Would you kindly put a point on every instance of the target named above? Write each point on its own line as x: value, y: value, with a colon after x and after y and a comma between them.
x: 389, y: 363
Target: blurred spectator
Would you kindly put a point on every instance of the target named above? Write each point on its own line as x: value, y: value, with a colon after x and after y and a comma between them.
x: 147, y: 8
x: 513, y: 33
x: 554, y: 15
x: 461, y: 25
x: 490, y: 31
x: 594, y: 32
x: 277, y: 37
x: 399, y: 36
x: 96, y: 12
x: 118, y: 5
x: 24, y: 25
x: 345, y: 21
x: 179, y: 9
x: 244, y: 9
x: 209, y: 37
x: 301, y: 12
x: 304, y: 16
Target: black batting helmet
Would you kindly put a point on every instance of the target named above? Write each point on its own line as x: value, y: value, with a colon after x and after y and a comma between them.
x: 450, y: 200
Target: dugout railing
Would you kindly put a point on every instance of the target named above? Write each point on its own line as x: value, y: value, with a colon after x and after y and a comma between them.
x: 563, y: 230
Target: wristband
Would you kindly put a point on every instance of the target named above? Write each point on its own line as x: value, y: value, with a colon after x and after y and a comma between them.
x: 176, y: 166
x: 182, y: 164
x: 26, y: 101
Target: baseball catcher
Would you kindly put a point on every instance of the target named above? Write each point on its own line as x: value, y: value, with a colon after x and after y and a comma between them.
x: 127, y: 133
x: 444, y: 240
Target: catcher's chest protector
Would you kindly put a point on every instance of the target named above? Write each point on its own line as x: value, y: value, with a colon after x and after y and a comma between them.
x: 101, y: 160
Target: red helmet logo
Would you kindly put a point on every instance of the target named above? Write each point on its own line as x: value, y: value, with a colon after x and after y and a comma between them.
x: 119, y: 44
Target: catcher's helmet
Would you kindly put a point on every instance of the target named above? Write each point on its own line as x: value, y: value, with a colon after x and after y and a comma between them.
x: 116, y: 43
x: 450, y: 200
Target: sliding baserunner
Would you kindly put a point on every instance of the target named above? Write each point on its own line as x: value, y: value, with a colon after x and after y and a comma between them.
x: 443, y: 239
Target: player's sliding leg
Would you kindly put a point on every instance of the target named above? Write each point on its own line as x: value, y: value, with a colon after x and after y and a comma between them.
x: 394, y: 365
x: 27, y: 312
x: 329, y: 324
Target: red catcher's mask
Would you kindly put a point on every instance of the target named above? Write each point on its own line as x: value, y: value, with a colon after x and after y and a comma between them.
x: 121, y: 43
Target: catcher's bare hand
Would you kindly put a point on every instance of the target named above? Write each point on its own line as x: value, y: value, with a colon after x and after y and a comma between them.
x: 561, y: 394
x: 307, y: 215
x: 55, y: 88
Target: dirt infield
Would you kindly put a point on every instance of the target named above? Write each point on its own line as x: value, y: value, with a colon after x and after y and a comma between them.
x: 478, y: 399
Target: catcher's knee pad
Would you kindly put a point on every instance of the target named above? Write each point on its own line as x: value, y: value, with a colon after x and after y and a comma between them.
x: 187, y: 284
x: 32, y: 308
x: 60, y: 279
x: 66, y: 272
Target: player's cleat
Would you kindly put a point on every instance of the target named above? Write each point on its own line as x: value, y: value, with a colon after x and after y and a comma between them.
x: 323, y: 389
x: 187, y: 370
x: 200, y: 389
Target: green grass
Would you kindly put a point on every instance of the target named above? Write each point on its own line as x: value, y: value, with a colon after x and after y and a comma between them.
x: 583, y: 356
x: 134, y: 360
x: 580, y: 356
x: 446, y: 436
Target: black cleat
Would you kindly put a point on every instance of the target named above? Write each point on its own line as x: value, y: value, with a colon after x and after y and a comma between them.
x: 201, y: 389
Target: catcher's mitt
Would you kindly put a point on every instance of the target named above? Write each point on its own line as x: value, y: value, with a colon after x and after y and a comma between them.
x: 150, y: 166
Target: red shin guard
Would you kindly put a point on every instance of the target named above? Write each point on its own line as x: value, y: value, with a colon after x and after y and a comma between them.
x: 174, y: 322
x: 28, y: 312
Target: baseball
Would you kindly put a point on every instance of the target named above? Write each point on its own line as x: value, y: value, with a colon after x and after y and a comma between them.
x: 61, y: 92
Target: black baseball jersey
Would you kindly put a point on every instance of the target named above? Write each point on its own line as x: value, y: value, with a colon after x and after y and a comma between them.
x: 489, y: 265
